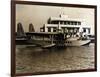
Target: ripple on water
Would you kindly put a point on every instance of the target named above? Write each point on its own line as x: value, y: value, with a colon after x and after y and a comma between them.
x: 33, y: 58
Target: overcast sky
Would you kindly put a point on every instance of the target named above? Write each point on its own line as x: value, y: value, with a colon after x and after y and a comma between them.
x: 38, y: 15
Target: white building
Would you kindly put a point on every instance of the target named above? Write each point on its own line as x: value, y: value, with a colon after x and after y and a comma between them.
x: 65, y: 24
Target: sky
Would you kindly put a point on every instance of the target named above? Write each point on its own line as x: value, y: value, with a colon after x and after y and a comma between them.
x: 39, y: 14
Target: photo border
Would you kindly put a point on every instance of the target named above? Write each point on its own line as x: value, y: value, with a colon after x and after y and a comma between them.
x: 13, y: 21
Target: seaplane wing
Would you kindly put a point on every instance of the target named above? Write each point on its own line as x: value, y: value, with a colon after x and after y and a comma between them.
x: 42, y: 39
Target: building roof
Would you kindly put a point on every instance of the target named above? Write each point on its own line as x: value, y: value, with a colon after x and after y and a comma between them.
x: 74, y: 26
x: 65, y: 18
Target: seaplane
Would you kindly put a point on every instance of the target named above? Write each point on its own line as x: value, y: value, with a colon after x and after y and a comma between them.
x: 60, y: 32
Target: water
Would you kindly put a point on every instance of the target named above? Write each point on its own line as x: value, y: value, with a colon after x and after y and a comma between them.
x: 31, y: 59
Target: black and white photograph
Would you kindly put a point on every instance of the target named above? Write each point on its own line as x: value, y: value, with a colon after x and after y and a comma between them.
x: 54, y: 38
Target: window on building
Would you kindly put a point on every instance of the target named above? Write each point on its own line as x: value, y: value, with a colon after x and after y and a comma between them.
x: 68, y: 22
x: 49, y: 29
x: 75, y: 23
x: 61, y: 22
x: 84, y: 30
x: 54, y: 22
x: 72, y: 23
x: 79, y: 23
x: 65, y: 22
x: 54, y: 29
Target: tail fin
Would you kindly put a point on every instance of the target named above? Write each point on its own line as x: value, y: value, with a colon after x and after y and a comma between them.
x: 20, y: 30
x: 31, y: 28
